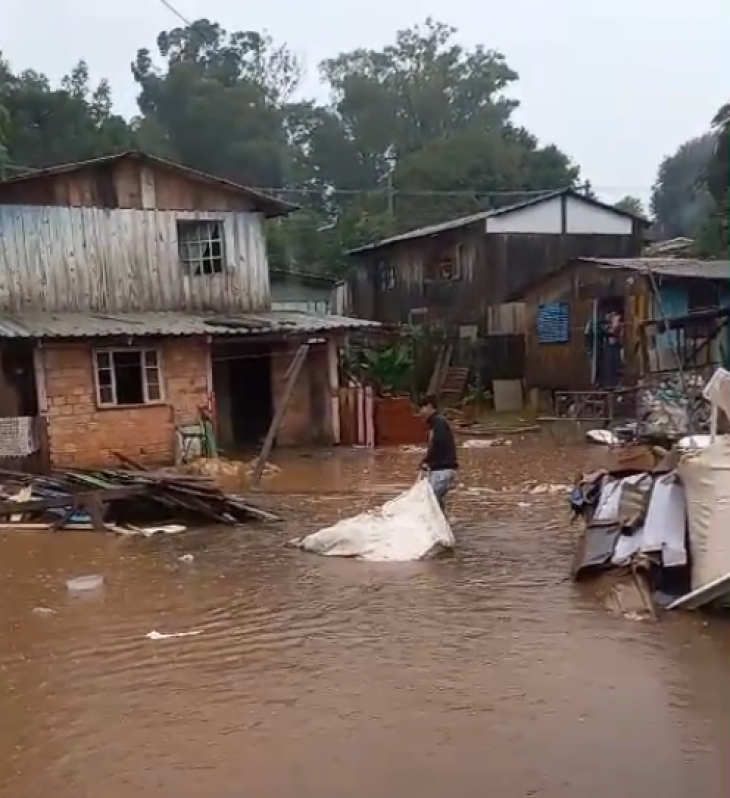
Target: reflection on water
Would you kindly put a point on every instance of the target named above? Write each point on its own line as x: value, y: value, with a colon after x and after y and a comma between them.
x: 483, y: 674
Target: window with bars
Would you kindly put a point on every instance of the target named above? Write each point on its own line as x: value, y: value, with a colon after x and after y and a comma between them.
x: 200, y: 245
x: 127, y: 377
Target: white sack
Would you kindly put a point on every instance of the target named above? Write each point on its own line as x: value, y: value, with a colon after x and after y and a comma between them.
x: 409, y: 527
x: 706, y: 479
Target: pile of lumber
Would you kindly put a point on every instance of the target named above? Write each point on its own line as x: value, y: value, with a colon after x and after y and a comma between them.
x: 118, y: 499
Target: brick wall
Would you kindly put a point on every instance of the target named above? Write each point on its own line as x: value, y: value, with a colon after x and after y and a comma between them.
x: 81, y: 434
x: 308, y: 417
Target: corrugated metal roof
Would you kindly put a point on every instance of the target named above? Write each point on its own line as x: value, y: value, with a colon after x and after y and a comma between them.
x: 271, y: 206
x: 465, y: 221
x: 97, y: 325
x: 668, y: 267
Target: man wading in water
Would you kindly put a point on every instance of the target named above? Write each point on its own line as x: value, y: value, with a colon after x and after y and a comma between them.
x: 440, y: 462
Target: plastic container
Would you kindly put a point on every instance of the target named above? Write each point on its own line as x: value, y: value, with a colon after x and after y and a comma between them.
x: 84, y: 584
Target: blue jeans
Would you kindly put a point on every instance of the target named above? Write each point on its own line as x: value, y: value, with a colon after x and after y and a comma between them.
x: 442, y: 482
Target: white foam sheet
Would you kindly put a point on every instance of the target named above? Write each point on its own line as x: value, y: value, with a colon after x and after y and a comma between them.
x: 409, y: 527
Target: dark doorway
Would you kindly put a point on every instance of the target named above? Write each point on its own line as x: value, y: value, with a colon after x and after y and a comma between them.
x: 243, y: 394
x: 18, y: 394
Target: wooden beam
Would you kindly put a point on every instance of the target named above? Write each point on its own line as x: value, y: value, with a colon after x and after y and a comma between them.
x: 292, y: 376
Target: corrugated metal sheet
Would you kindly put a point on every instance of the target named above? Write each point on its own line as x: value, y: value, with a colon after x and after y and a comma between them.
x: 669, y: 267
x: 81, y: 325
x: 77, y: 259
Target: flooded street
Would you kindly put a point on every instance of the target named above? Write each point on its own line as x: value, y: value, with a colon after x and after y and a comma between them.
x: 488, y: 673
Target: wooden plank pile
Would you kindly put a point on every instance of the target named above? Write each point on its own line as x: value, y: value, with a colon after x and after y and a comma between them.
x: 117, y: 499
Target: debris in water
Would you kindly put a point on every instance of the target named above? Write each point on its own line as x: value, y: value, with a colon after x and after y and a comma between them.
x: 485, y: 443
x: 153, y: 635
x: 550, y: 489
x: 187, y: 558
x: 118, y: 500
x: 43, y: 611
x: 83, y: 584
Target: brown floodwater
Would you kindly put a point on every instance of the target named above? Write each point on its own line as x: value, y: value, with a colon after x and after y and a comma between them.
x: 487, y: 673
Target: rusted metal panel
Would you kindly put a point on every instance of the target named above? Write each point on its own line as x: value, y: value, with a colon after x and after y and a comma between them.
x: 78, y: 259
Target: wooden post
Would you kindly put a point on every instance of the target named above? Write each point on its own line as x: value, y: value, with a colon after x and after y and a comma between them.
x: 369, y: 418
x: 334, y: 387
x: 292, y: 375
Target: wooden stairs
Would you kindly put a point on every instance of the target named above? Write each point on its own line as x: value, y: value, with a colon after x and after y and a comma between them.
x: 447, y: 382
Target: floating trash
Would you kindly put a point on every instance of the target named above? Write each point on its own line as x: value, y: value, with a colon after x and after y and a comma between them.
x: 162, y: 636
x: 84, y: 584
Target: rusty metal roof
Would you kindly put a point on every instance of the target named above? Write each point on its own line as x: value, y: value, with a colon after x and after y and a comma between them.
x: 668, y: 267
x: 270, y: 206
x: 100, y: 325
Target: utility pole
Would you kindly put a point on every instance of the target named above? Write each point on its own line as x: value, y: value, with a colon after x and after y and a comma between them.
x: 390, y: 194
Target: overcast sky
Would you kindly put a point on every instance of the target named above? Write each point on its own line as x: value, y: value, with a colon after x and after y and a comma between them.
x: 616, y: 84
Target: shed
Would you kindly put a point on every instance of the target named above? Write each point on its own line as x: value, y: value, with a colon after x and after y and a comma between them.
x: 302, y: 291
x: 563, y: 309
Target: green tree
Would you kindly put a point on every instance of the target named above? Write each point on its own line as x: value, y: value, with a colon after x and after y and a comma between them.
x: 631, y: 205
x: 217, y: 105
x: 4, y: 119
x: 44, y: 125
x: 680, y: 200
x: 415, y: 133
x: 714, y: 235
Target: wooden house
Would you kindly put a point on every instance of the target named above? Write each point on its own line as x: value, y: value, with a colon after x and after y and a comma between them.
x: 135, y: 291
x: 302, y: 291
x: 451, y: 274
x: 563, y: 309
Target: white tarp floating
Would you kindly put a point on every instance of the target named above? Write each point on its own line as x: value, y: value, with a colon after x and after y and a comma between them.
x: 409, y: 527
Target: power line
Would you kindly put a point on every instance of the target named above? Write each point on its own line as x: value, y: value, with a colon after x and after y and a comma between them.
x: 170, y: 7
x: 476, y: 193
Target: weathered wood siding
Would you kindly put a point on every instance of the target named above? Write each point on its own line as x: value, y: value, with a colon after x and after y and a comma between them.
x: 568, y: 366
x: 129, y: 183
x: 495, y: 268
x: 88, y: 258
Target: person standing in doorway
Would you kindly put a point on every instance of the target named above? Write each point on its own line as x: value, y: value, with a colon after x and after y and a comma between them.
x: 612, y: 350
x: 440, y: 462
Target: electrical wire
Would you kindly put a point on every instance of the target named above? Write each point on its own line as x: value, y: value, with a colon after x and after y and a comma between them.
x: 170, y: 7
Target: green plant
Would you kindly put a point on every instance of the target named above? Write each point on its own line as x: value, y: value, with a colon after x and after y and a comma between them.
x: 387, y: 370
x: 476, y: 397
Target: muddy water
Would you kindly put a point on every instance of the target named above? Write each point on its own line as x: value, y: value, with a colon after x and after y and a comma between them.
x: 486, y: 674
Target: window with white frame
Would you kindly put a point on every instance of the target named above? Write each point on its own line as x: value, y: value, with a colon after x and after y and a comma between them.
x: 201, y: 246
x: 127, y: 377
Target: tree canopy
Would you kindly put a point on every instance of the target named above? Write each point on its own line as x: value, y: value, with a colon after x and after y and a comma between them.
x: 680, y: 200
x: 631, y: 205
x: 412, y: 133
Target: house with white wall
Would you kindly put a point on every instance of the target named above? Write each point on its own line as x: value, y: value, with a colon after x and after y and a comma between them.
x: 452, y: 273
